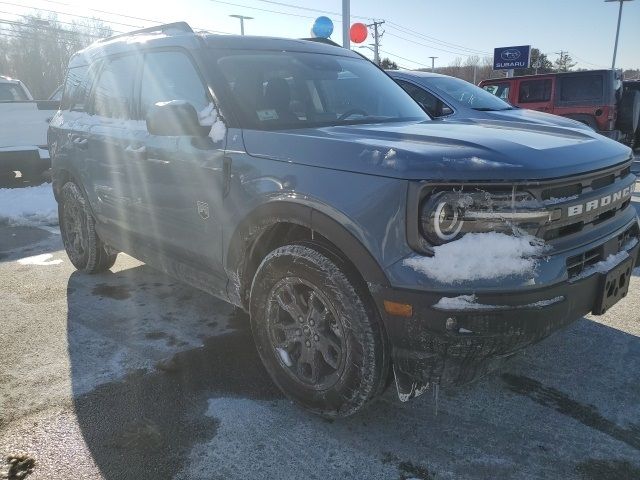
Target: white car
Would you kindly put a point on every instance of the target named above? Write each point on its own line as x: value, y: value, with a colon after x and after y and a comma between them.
x: 23, y: 130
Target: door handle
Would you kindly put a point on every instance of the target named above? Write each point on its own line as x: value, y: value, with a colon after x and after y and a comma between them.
x: 137, y: 149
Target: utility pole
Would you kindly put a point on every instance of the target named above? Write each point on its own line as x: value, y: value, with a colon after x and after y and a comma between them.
x: 615, y: 46
x: 376, y: 40
x: 346, y: 23
x: 242, y: 19
x: 433, y: 63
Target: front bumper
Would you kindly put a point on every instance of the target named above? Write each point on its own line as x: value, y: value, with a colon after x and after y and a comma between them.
x: 446, y: 345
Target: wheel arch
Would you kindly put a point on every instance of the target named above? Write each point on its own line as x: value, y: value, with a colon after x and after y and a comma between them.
x: 279, y: 222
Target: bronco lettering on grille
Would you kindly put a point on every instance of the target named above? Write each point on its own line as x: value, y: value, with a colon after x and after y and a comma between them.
x: 599, y: 203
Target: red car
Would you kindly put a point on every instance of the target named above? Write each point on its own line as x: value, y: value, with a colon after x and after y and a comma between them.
x: 598, y: 98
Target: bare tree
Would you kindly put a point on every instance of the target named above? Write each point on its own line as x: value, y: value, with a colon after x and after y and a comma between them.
x: 37, y: 49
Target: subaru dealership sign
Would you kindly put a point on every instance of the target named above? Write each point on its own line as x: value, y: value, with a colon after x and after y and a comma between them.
x: 506, y: 58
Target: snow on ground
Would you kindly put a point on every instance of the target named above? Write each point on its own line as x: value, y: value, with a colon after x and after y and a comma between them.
x: 28, y: 206
x: 44, y: 259
x: 480, y: 256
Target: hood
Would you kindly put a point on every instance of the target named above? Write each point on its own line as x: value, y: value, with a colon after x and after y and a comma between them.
x: 443, y: 151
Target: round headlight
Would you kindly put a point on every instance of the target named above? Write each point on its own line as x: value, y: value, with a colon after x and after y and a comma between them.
x: 442, y: 219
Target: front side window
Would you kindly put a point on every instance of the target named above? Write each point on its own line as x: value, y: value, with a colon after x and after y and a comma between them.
x: 170, y: 76
x: 114, y: 88
x: 534, y: 91
x: 11, y: 92
x: 275, y: 90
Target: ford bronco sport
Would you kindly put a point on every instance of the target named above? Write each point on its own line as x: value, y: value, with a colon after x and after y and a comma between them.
x: 299, y: 182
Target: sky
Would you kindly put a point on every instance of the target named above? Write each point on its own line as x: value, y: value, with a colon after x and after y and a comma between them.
x: 414, y: 29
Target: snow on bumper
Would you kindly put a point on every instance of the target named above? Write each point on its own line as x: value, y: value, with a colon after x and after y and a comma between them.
x: 453, y: 337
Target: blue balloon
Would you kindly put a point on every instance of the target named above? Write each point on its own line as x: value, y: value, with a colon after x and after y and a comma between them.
x: 322, y: 27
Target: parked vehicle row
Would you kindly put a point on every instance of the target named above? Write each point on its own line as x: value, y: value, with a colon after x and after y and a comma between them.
x: 23, y: 130
x: 450, y: 98
x: 598, y: 98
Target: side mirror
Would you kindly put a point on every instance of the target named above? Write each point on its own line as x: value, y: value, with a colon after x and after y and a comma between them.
x: 446, y: 111
x: 175, y: 118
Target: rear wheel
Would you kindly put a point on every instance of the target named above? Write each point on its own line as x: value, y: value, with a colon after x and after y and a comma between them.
x: 77, y: 226
x: 316, y: 333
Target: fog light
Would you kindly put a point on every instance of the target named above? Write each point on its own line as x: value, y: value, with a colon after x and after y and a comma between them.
x: 398, y: 309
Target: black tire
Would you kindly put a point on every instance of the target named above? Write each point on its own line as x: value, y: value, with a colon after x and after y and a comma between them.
x: 334, y: 365
x: 77, y: 226
x: 629, y: 112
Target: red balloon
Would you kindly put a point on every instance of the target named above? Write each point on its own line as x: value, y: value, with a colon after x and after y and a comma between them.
x: 358, y: 32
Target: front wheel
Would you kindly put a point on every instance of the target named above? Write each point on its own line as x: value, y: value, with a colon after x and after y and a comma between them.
x: 77, y: 226
x: 318, y: 336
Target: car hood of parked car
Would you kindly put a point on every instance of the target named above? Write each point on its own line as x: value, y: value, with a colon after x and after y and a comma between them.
x: 443, y: 151
x: 533, y: 116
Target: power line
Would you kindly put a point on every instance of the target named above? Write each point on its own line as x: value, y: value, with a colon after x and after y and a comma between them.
x: 432, y: 47
x: 265, y: 10
x: 128, y: 16
x: 403, y: 58
x: 69, y: 14
x: 49, y: 27
x: 308, y: 9
x: 434, y: 39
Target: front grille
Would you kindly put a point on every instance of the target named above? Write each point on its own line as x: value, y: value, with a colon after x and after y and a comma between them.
x: 579, y: 263
x: 595, y: 194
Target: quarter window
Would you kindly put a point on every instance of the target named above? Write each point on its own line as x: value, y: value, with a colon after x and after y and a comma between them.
x: 113, y: 91
x: 170, y: 76
x: 581, y: 88
x: 75, y: 87
x: 534, y: 91
x: 433, y: 105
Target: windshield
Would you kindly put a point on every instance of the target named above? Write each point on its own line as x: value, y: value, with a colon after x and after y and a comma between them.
x: 11, y: 92
x: 468, y: 94
x: 278, y: 90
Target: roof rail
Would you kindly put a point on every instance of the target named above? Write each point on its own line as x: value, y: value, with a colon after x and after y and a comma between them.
x: 182, y: 26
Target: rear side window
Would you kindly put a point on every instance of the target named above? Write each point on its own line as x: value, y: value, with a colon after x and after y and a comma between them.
x: 534, y: 91
x: 11, y: 92
x: 581, y: 88
x: 170, y: 76
x: 114, y: 88
x: 75, y: 86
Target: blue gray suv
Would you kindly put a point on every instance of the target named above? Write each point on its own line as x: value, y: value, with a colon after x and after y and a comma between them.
x: 369, y: 244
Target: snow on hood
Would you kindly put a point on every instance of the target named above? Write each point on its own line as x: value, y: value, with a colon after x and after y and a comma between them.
x: 480, y: 256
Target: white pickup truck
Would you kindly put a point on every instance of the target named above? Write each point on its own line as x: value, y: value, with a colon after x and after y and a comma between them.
x: 23, y: 130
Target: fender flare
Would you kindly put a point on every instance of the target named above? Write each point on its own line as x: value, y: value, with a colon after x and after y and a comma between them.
x: 285, y: 211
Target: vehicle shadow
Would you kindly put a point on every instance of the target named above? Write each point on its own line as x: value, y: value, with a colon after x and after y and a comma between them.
x: 151, y: 358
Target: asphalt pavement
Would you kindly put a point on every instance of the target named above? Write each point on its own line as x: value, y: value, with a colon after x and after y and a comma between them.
x: 131, y: 375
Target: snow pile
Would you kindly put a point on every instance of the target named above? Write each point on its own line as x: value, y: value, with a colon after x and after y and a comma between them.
x: 479, y: 256
x: 28, y: 206
x: 469, y: 302
x: 209, y: 117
